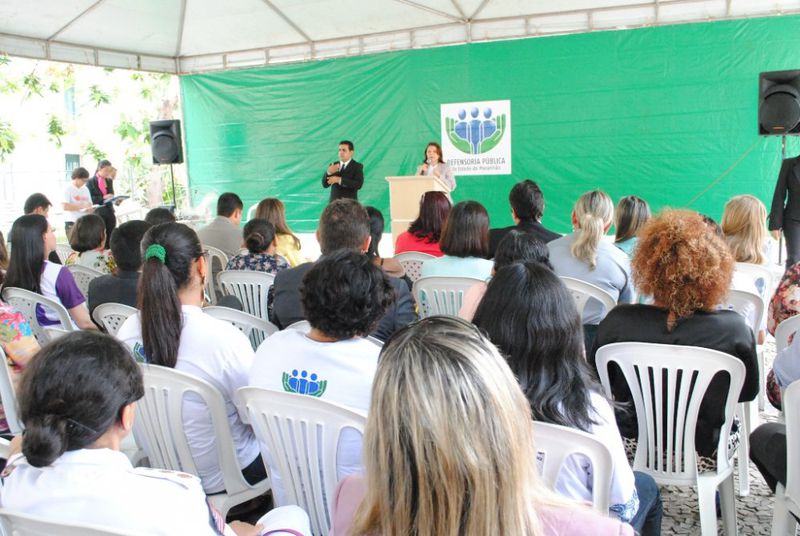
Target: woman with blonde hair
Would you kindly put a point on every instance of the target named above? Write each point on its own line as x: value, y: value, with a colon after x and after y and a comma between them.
x: 287, y: 244
x: 448, y: 447
x: 744, y: 225
x: 632, y: 213
x: 584, y: 255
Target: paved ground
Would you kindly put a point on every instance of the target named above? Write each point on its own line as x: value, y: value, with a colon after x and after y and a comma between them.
x: 754, y: 512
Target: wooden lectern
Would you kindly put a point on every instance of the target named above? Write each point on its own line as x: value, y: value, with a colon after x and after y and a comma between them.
x: 404, y: 196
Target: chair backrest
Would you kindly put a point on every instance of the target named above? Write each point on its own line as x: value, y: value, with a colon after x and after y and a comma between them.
x: 251, y: 212
x: 16, y: 524
x: 112, y: 315
x: 411, y: 261
x: 554, y: 444
x: 300, y: 434
x: 762, y: 277
x: 8, y: 397
x: 437, y: 295
x: 791, y: 412
x: 785, y: 330
x: 253, y: 327
x: 667, y: 384
x: 63, y: 251
x: 582, y: 292
x: 83, y: 275
x: 26, y: 301
x: 250, y: 287
x: 159, y: 424
x: 218, y: 260
x: 748, y: 304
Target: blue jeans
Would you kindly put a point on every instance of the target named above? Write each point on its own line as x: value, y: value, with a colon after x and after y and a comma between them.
x: 647, y: 520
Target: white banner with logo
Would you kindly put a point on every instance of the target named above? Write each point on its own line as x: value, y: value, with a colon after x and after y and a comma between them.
x: 476, y: 137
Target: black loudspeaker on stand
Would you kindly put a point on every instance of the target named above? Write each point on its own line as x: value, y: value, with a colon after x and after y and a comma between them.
x: 165, y: 142
x: 779, y: 109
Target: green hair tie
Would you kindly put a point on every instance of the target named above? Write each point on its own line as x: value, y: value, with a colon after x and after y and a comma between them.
x: 157, y: 251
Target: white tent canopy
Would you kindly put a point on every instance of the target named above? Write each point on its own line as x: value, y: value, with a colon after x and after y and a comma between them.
x: 186, y: 36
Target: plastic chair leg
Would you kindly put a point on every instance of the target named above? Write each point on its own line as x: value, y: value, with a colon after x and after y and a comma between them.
x: 727, y: 503
x: 706, y: 491
x: 746, y: 411
x: 782, y: 522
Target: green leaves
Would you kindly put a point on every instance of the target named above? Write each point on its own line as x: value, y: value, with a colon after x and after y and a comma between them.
x: 95, y: 152
x: 55, y: 129
x: 98, y: 96
x: 8, y: 139
x: 33, y: 84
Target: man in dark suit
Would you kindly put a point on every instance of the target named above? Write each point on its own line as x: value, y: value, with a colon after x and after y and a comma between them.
x: 344, y: 224
x: 101, y: 188
x: 346, y: 176
x: 784, y: 215
x: 527, y: 208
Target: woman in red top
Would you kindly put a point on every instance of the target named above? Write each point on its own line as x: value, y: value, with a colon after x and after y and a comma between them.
x: 423, y: 233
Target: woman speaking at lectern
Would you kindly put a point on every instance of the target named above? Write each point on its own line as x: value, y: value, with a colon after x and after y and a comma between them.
x: 434, y: 164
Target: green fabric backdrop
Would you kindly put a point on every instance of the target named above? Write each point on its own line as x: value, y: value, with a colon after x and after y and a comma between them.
x: 666, y: 113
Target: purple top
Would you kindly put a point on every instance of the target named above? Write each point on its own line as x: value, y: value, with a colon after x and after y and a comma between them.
x: 57, y: 283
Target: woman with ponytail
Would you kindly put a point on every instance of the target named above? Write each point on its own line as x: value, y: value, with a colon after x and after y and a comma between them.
x: 260, y: 241
x: 77, y: 404
x: 171, y: 330
x: 584, y: 255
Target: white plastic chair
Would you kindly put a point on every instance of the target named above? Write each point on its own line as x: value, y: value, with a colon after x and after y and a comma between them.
x: 83, y: 275
x: 8, y: 396
x: 438, y: 295
x: 751, y: 307
x: 666, y: 447
x: 582, y: 292
x: 159, y: 430
x: 15, y: 524
x: 762, y: 277
x: 787, y: 497
x: 217, y: 261
x: 253, y: 327
x: 300, y: 434
x: 250, y: 287
x: 785, y: 330
x: 556, y: 443
x: 63, y: 251
x: 411, y: 261
x: 112, y: 315
x: 26, y: 301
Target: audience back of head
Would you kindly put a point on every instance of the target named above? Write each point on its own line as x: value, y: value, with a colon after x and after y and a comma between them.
x: 744, y: 226
x: 27, y: 253
x: 274, y: 211
x: 519, y: 246
x: 434, y: 207
x: 159, y: 215
x: 592, y: 214
x: 88, y: 233
x: 126, y: 244
x: 258, y: 235
x: 466, y: 232
x: 344, y: 224
x: 527, y: 201
x: 37, y: 204
x: 376, y: 228
x: 631, y: 215
x: 228, y: 203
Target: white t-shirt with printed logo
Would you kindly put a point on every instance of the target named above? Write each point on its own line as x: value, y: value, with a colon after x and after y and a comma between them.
x: 75, y: 195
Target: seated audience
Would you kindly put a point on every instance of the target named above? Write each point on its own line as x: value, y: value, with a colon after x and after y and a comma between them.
x: 687, y: 269
x: 223, y: 231
x: 631, y: 215
x: 516, y: 246
x: 344, y: 224
x: 159, y: 215
x: 744, y: 225
x: 77, y: 199
x: 424, y: 233
x: 34, y: 240
x: 77, y: 403
x: 449, y: 447
x: 527, y: 208
x: 120, y: 287
x: 288, y: 245
x: 531, y: 317
x: 465, y: 244
x: 88, y: 242
x: 376, y: 227
x: 259, y: 239
x: 171, y: 330
x: 39, y: 204
x: 584, y: 255
x: 344, y: 295
x: 785, y: 303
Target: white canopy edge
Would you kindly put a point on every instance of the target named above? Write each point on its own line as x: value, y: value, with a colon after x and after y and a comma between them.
x: 644, y: 14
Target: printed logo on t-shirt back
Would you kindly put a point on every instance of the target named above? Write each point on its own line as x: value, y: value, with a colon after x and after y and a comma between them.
x: 138, y: 353
x: 304, y: 383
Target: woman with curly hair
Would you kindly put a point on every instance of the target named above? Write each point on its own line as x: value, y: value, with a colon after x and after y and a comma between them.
x: 682, y: 263
x: 344, y: 295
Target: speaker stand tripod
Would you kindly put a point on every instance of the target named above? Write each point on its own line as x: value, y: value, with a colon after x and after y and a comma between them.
x: 174, y: 198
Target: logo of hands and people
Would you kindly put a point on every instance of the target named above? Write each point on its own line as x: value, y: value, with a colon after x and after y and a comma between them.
x: 476, y: 132
x: 304, y: 383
